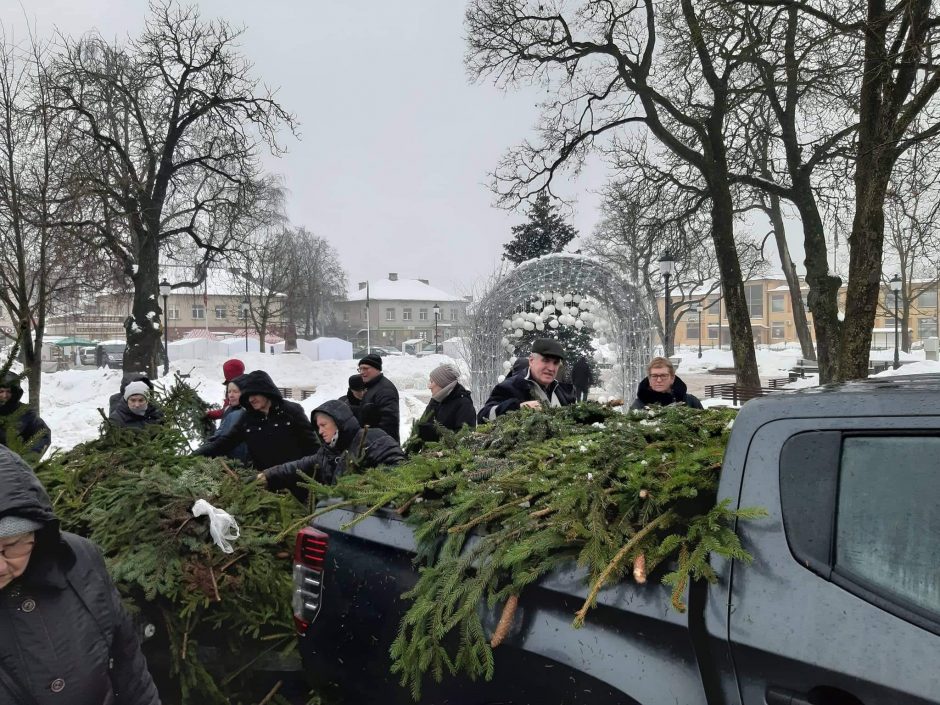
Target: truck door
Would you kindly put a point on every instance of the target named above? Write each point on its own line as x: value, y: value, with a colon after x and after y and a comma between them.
x: 842, y: 602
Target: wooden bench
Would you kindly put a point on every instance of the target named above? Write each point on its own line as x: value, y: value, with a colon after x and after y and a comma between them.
x: 307, y: 392
x: 778, y: 382
x: 286, y: 392
x: 736, y: 393
x: 801, y: 368
x: 724, y: 371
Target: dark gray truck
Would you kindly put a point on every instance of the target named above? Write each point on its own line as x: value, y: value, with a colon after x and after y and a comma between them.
x: 840, y: 607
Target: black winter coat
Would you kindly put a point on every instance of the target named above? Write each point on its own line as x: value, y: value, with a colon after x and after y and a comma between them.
x: 454, y: 412
x: 123, y: 417
x: 581, y: 376
x: 382, y: 394
x: 66, y: 637
x: 18, y: 421
x: 646, y: 395
x: 355, y: 449
x: 281, y: 435
x: 512, y: 391
x: 115, y: 399
x: 369, y: 415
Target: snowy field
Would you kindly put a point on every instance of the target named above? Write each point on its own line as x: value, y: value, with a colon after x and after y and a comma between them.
x: 71, y: 399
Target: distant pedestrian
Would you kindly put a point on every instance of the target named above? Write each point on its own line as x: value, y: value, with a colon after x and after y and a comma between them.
x: 136, y: 410
x: 230, y: 370
x: 65, y: 635
x: 582, y: 378
x: 381, y: 395
x: 450, y: 407
x: 20, y: 426
x: 662, y: 386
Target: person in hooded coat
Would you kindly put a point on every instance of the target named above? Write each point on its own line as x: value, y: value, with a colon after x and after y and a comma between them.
x: 136, y: 410
x: 230, y: 370
x: 65, y: 636
x: 450, y: 407
x: 115, y: 399
x: 347, y: 447
x: 274, y: 429
x: 366, y: 414
x: 662, y: 386
x: 19, y: 424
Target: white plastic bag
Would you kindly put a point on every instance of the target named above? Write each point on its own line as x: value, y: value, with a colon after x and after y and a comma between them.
x: 222, y: 525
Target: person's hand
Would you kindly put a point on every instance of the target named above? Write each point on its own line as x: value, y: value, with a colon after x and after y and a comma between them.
x: 262, y: 479
x: 531, y: 404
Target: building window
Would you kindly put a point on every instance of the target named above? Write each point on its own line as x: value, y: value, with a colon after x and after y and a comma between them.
x: 778, y: 303
x: 711, y: 304
x: 692, y: 326
x: 453, y: 314
x: 173, y: 313
x: 713, y: 332
x: 926, y: 328
x: 423, y: 334
x: 754, y: 295
x: 221, y: 313
x: 927, y: 299
x: 406, y: 314
x: 777, y: 331
x: 422, y: 314
x: 389, y: 314
x: 885, y: 535
x: 199, y: 312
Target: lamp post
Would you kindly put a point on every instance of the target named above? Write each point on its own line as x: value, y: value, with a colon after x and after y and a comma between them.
x: 666, y: 266
x: 895, y: 285
x: 165, y: 293
x: 698, y: 309
x: 437, y: 316
x: 246, y: 305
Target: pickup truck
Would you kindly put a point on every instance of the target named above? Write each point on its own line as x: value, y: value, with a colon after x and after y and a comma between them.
x: 840, y: 606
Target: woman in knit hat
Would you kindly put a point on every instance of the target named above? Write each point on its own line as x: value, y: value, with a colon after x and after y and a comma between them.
x: 64, y: 633
x: 136, y: 410
x: 451, y: 406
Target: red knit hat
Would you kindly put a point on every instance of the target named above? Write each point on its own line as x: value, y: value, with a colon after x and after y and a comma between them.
x: 232, y: 368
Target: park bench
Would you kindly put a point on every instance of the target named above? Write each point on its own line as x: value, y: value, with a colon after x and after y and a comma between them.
x: 736, y: 393
x: 802, y: 368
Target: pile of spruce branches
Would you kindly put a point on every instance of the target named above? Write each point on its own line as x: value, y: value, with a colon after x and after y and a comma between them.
x: 218, y: 616
x: 616, y: 493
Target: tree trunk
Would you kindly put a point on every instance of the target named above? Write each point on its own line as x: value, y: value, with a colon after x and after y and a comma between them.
x: 143, y: 326
x: 290, y: 336
x: 800, y: 322
x: 31, y: 356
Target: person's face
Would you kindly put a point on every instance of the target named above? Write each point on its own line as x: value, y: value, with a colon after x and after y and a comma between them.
x: 434, y: 386
x: 136, y: 402
x: 326, y: 427
x: 368, y: 373
x: 5, y: 395
x: 233, y: 394
x: 358, y: 393
x: 14, y: 556
x: 543, y: 369
x: 259, y: 402
x: 660, y: 379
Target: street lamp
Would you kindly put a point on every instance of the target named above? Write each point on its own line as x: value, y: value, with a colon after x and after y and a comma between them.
x: 666, y: 267
x: 437, y: 316
x: 895, y: 285
x: 246, y: 305
x: 698, y: 310
x: 165, y: 293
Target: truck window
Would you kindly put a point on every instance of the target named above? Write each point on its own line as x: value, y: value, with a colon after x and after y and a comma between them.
x: 887, y: 533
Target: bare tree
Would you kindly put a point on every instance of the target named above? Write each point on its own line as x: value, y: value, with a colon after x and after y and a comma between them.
x: 170, y: 125
x: 263, y: 271
x: 646, y: 64
x: 317, y: 280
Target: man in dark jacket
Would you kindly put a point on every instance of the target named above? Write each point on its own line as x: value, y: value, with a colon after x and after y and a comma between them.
x: 347, y: 447
x: 381, y: 395
x: 274, y: 429
x: 450, y: 407
x: 661, y: 386
x: 533, y: 389
x: 20, y: 425
x: 65, y: 634
x: 581, y: 378
x: 136, y: 410
x: 115, y: 399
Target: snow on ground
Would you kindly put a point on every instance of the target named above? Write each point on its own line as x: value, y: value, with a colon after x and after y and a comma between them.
x: 70, y: 399
x: 771, y: 362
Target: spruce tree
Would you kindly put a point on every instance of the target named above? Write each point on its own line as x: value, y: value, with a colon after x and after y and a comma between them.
x: 544, y: 233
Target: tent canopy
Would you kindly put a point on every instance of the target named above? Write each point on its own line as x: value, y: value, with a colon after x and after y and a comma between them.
x: 74, y: 342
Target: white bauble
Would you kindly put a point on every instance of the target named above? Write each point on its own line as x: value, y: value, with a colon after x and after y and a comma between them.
x: 553, y: 323
x: 540, y: 326
x: 569, y: 296
x: 528, y: 325
x: 574, y: 311
x: 507, y: 365
x: 510, y: 348
x: 517, y: 322
x: 577, y: 298
x: 579, y: 324
x: 537, y: 303
x: 504, y: 342
x: 500, y: 378
x: 518, y: 333
x: 507, y: 323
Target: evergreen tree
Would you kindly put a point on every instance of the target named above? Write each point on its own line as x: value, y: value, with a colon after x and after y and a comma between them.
x: 545, y: 232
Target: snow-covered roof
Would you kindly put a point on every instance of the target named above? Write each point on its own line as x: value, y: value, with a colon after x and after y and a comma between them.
x: 401, y: 290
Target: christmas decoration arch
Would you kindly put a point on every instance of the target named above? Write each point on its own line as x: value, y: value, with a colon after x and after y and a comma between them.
x: 561, y: 290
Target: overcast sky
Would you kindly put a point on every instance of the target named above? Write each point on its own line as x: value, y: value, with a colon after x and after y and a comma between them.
x: 396, y: 143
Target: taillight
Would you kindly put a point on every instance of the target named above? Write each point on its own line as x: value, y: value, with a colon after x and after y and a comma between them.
x: 309, y: 559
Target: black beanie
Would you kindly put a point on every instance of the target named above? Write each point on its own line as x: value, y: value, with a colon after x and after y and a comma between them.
x: 356, y: 384
x: 372, y: 360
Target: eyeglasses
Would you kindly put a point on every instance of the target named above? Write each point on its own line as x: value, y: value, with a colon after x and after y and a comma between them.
x: 17, y: 550
x: 662, y: 376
